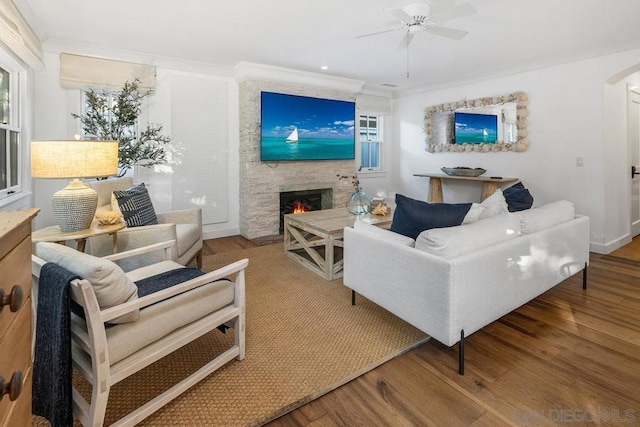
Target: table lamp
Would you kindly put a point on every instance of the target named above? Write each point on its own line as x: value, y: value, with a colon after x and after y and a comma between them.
x: 75, y: 205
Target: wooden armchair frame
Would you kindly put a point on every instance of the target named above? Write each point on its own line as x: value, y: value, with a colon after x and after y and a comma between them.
x: 90, y: 352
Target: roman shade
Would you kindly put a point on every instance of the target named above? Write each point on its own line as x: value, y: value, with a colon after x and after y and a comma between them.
x: 85, y: 72
x: 379, y: 104
x: 18, y: 36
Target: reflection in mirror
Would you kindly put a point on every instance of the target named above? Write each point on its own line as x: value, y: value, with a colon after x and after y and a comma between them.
x: 509, y: 132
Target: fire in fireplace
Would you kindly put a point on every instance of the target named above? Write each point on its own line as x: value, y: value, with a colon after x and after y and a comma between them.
x: 299, y: 207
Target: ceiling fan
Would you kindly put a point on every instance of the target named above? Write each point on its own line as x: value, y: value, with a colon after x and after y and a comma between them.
x: 416, y: 18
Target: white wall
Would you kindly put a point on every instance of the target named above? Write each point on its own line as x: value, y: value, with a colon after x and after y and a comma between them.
x: 209, y: 136
x: 574, y: 113
x: 569, y: 117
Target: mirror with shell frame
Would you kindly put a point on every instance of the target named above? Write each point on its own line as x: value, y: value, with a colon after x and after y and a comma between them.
x: 511, y: 111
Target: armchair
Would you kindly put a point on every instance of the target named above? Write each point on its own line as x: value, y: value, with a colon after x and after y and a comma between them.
x: 183, y: 226
x: 143, y: 328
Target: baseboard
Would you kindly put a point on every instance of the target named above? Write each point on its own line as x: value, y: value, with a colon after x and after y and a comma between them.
x: 608, y: 247
x: 223, y: 232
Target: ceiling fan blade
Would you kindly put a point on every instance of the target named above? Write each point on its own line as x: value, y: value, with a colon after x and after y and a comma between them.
x: 406, y: 40
x: 454, y: 12
x: 450, y: 33
x: 400, y: 14
x: 379, y: 32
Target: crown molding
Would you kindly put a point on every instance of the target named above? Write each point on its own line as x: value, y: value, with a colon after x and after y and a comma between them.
x: 252, y: 71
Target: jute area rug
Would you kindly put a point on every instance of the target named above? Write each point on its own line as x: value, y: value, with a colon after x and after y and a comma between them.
x: 304, y: 339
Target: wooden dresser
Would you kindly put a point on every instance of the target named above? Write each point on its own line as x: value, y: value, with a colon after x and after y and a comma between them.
x: 15, y: 317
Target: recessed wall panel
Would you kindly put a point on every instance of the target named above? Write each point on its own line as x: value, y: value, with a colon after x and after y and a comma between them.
x: 199, y: 120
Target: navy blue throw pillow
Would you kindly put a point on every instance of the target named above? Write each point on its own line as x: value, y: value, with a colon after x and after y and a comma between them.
x: 411, y: 217
x: 518, y: 197
x: 136, y: 206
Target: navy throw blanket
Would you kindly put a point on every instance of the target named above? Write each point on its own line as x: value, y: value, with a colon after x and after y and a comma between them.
x: 52, y: 397
x: 166, y: 280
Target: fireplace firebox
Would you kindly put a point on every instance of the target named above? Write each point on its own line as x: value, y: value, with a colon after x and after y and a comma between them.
x: 292, y: 202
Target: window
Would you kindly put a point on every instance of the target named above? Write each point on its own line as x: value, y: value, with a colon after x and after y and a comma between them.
x: 102, y: 105
x: 107, y: 121
x: 370, y: 140
x: 10, y: 144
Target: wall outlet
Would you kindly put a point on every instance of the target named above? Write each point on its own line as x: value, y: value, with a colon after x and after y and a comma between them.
x: 579, y: 162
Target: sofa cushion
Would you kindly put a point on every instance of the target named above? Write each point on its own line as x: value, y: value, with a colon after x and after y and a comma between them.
x: 455, y: 241
x: 474, y: 213
x: 135, y: 205
x: 110, y: 284
x: 387, y: 235
x: 411, y: 216
x: 494, y: 205
x: 518, y: 198
x: 545, y: 216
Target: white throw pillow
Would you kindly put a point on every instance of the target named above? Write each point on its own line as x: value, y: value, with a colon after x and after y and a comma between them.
x: 494, y: 205
x: 385, y: 234
x: 545, y: 216
x: 114, y: 204
x: 474, y: 213
x: 450, y: 242
x: 110, y: 284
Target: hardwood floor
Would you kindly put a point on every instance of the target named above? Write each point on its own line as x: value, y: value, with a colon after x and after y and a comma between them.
x: 569, y: 357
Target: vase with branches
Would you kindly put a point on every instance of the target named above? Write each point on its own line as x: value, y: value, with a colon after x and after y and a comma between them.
x: 114, y: 116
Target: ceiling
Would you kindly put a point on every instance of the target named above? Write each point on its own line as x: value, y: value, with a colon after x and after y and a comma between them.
x: 505, y: 36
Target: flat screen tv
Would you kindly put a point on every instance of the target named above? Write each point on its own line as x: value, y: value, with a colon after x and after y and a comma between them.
x: 471, y: 128
x: 297, y: 127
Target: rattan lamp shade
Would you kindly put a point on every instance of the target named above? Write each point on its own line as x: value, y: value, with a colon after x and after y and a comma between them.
x: 75, y: 205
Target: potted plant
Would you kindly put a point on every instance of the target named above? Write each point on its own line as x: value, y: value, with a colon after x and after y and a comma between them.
x: 114, y: 116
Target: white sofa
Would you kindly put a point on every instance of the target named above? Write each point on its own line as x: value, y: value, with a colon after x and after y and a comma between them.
x: 451, y: 282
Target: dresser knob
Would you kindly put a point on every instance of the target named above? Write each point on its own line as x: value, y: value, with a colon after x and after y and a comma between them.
x: 13, y: 300
x: 13, y: 388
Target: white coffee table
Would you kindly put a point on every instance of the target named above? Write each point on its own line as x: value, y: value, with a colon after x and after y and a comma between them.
x: 315, y: 239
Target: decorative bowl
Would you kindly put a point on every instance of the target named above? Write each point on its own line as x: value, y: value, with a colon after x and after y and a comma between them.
x: 463, y: 171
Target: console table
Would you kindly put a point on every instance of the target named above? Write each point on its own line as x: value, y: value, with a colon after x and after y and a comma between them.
x: 489, y: 184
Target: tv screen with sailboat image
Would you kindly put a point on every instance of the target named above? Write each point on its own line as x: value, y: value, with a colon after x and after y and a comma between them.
x: 472, y: 128
x: 295, y: 127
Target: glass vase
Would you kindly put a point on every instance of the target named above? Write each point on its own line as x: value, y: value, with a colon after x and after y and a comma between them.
x: 359, y: 203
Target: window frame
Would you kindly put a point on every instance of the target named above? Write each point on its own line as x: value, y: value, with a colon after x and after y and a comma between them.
x: 380, y: 128
x: 16, y: 125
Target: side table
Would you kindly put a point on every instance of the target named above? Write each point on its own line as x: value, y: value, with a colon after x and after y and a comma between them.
x: 53, y: 234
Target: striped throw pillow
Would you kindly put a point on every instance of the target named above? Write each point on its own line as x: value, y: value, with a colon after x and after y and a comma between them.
x: 135, y: 205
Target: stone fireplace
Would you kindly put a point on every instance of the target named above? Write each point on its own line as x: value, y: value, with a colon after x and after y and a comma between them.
x: 262, y: 182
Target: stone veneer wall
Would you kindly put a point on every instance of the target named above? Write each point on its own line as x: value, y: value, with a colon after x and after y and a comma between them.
x: 262, y: 182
